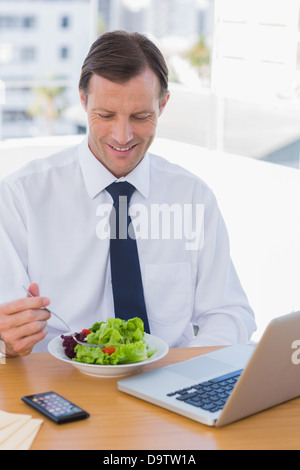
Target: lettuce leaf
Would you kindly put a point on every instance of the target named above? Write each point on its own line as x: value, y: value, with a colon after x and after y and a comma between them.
x: 116, y: 331
x: 124, y: 354
x: 127, y: 337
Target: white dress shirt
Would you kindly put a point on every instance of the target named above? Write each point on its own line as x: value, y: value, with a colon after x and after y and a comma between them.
x: 53, y: 221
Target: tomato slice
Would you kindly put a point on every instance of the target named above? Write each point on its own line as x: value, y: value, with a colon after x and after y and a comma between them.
x: 85, y: 332
x: 109, y: 350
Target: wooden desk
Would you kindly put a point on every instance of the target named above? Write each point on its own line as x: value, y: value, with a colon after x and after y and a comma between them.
x: 119, y: 421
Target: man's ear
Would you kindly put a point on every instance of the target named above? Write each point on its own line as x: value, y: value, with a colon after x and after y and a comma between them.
x: 82, y: 99
x: 163, y: 102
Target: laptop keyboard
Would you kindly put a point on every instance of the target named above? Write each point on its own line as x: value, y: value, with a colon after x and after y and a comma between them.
x: 211, y: 395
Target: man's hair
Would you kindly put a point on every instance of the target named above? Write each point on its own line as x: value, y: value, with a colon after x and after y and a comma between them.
x: 119, y: 56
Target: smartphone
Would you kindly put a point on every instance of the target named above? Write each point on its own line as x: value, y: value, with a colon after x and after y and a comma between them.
x: 55, y: 407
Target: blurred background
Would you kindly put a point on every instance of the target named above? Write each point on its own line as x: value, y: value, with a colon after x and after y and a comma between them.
x: 234, y: 69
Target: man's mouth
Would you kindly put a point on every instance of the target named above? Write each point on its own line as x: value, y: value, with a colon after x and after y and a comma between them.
x: 122, y: 149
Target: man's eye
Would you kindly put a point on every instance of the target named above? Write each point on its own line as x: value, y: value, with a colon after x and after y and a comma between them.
x: 141, y: 118
x: 105, y: 116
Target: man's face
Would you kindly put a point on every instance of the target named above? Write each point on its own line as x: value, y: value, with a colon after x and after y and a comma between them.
x: 122, y: 119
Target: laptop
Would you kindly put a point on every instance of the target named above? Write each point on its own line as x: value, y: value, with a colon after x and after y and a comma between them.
x: 231, y: 383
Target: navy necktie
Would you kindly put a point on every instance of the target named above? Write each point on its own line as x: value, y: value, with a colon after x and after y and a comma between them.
x: 127, y: 284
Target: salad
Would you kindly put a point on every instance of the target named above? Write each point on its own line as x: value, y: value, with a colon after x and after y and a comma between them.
x: 121, y: 341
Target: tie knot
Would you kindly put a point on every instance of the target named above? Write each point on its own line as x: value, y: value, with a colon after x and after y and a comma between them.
x: 120, y: 189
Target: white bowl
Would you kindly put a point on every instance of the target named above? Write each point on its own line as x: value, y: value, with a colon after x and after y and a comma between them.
x: 56, y: 349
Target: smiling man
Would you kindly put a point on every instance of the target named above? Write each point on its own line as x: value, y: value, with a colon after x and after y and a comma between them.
x: 123, y: 92
x: 49, y: 220
x: 122, y: 119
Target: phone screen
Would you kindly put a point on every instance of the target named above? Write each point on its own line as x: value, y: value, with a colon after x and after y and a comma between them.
x: 55, y: 407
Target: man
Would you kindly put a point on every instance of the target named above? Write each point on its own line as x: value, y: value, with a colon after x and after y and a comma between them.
x: 54, y: 216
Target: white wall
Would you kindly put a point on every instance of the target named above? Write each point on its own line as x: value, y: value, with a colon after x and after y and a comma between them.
x: 260, y: 202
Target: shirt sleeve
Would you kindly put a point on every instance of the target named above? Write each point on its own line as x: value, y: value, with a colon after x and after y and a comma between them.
x: 13, y: 244
x: 222, y: 314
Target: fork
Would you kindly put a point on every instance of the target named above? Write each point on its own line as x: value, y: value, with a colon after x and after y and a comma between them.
x: 67, y: 326
x: 50, y: 311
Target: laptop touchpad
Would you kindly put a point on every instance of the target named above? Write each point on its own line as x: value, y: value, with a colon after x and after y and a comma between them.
x: 200, y: 367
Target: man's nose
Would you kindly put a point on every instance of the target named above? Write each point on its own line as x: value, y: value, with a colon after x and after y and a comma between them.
x: 122, y: 131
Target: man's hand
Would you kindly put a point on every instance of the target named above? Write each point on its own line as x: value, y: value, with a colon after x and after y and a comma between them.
x: 23, y: 322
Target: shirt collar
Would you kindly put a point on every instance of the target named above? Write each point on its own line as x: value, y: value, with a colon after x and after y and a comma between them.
x: 97, y: 177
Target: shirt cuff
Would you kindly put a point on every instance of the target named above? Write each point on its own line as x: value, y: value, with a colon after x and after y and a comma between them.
x: 3, y: 352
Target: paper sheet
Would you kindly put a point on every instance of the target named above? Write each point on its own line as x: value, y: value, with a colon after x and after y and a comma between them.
x: 7, y: 419
x: 17, y: 431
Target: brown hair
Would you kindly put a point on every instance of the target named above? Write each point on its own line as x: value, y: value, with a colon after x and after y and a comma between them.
x: 119, y: 56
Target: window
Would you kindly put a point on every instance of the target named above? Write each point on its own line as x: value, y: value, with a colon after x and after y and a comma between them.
x: 27, y: 54
x: 17, y: 22
x: 8, y: 22
x: 28, y: 22
x: 15, y: 115
x: 64, y: 52
x: 65, y: 22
